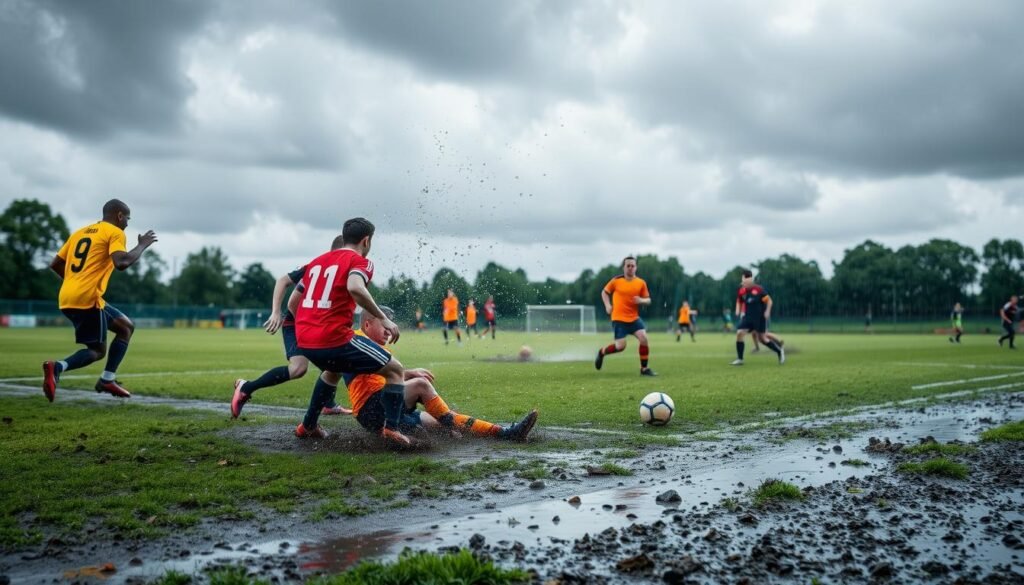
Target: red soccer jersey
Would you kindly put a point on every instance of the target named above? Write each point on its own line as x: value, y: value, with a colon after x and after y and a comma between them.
x: 489, y: 310
x: 324, y: 317
x: 740, y: 296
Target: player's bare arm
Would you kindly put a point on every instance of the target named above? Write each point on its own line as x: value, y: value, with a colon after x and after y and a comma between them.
x: 122, y: 260
x: 607, y: 302
x: 273, y: 323
x: 363, y: 298
x: 768, y: 308
x: 294, y: 299
x: 642, y: 300
x: 424, y: 373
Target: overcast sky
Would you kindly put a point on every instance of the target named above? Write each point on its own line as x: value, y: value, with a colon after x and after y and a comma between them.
x: 553, y: 136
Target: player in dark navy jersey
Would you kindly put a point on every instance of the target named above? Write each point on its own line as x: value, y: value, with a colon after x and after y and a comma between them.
x: 1008, y: 316
x: 758, y: 310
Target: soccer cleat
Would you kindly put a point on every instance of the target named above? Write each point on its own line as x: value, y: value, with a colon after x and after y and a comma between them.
x: 50, y: 379
x: 782, y: 355
x: 736, y: 362
x: 336, y: 409
x: 112, y: 387
x: 397, y: 439
x: 520, y: 430
x: 599, y: 361
x: 238, y: 399
x: 317, y: 433
x: 647, y: 372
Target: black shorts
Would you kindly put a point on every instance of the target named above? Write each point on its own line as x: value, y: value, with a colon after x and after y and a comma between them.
x: 752, y: 323
x: 291, y: 344
x: 451, y: 325
x: 470, y: 326
x: 371, y: 415
x: 359, y: 356
x: 492, y: 323
x: 685, y: 326
x: 1008, y: 328
x: 91, y: 325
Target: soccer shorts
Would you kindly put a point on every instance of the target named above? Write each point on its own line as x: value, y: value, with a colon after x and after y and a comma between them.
x: 359, y: 356
x: 91, y: 325
x: 685, y: 326
x: 371, y: 415
x: 451, y: 325
x: 491, y: 322
x: 291, y: 344
x: 622, y: 329
x: 752, y: 323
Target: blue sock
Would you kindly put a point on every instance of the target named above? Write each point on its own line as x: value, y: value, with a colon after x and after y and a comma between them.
x: 394, y: 401
x: 79, y: 359
x: 115, y: 354
x: 271, y: 377
x: 321, y: 391
x: 331, y: 400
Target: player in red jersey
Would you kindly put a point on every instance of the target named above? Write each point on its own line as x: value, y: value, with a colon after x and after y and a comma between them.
x: 334, y: 283
x: 491, y: 317
x: 757, y: 311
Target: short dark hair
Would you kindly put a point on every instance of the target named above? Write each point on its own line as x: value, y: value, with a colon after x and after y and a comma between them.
x: 748, y: 274
x: 339, y: 242
x: 630, y: 257
x: 356, y: 229
x: 112, y: 207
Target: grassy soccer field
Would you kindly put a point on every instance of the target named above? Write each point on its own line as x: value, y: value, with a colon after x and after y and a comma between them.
x: 143, y: 471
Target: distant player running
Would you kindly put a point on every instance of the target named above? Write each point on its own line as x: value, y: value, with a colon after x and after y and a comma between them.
x: 491, y: 316
x: 366, y: 395
x: 686, y: 317
x: 1008, y: 314
x: 758, y: 310
x: 334, y: 283
x: 420, y: 326
x: 450, y: 315
x: 471, y: 319
x: 957, y: 319
x: 297, y: 363
x: 623, y: 296
x: 85, y: 263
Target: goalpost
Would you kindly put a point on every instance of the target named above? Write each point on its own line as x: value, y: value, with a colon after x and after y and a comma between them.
x: 567, y: 318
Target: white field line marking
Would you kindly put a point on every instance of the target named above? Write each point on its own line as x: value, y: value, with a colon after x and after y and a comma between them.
x: 135, y: 375
x: 965, y: 381
x: 949, y: 365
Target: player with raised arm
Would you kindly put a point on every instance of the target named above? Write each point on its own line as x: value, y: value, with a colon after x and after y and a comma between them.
x: 365, y: 394
x: 957, y: 319
x: 334, y: 283
x: 491, y: 316
x: 686, y: 317
x: 623, y: 296
x: 450, y: 315
x: 84, y: 264
x: 1007, y: 315
x: 757, y: 311
x: 297, y: 363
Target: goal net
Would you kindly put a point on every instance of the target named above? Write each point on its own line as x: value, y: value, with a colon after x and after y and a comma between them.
x: 567, y: 318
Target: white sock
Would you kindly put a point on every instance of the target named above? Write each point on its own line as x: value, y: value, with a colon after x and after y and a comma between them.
x: 63, y: 365
x: 107, y: 376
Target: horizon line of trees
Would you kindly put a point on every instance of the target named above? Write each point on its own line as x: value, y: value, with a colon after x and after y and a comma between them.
x: 911, y: 281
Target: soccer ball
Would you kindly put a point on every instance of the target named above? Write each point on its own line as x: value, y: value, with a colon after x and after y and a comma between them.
x: 524, y: 353
x: 657, y: 409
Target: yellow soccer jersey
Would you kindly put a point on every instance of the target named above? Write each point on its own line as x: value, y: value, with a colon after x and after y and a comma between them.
x: 87, y: 265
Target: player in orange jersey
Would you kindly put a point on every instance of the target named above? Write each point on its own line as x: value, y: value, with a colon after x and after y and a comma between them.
x: 623, y: 296
x: 84, y: 264
x: 365, y: 394
x: 450, y: 315
x: 686, y: 315
x: 471, y: 319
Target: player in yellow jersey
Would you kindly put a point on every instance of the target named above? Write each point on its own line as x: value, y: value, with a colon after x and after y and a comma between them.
x: 85, y: 263
x: 686, y: 316
x: 366, y: 396
x: 623, y: 296
x: 450, y: 315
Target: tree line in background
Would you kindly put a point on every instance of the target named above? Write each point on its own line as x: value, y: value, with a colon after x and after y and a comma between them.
x: 912, y: 281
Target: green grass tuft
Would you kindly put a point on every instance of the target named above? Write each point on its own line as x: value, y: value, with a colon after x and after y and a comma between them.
x: 773, y: 490
x: 1009, y: 432
x: 939, y: 466
x: 622, y: 454
x: 427, y: 569
x: 933, y: 448
x: 615, y: 469
x: 854, y: 462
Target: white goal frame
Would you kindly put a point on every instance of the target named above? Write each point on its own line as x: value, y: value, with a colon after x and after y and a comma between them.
x: 583, y: 311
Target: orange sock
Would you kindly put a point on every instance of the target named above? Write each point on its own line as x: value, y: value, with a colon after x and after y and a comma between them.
x: 437, y: 408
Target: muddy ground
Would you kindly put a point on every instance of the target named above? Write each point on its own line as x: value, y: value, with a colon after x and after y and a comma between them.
x: 856, y: 524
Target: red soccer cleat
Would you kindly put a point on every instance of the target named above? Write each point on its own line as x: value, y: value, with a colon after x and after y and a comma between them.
x: 238, y: 399
x: 112, y: 387
x: 50, y: 380
x: 303, y: 433
x: 336, y: 409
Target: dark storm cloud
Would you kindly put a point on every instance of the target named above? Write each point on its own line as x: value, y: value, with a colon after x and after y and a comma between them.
x: 879, y: 89
x: 93, y: 68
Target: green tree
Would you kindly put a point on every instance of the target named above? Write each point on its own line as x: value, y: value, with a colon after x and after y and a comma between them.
x: 401, y: 294
x: 205, y: 279
x: 1004, y: 272
x: 797, y: 288
x: 511, y: 289
x: 141, y: 282
x: 254, y: 286
x: 866, y: 277
x: 31, y: 235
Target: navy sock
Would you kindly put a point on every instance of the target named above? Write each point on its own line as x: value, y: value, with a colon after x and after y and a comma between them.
x: 116, y: 352
x: 316, y: 403
x: 739, y: 349
x: 79, y: 359
x: 394, y: 401
x: 772, y: 345
x: 332, y: 399
x: 271, y: 377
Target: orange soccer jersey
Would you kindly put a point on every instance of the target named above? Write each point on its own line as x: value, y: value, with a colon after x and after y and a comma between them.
x: 451, y: 309
x: 684, y: 315
x: 622, y: 291
x: 470, y: 315
x: 87, y: 265
x: 363, y: 386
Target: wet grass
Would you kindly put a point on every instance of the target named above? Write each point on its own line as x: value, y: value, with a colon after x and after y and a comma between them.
x: 933, y: 448
x: 1009, y: 432
x: 855, y: 462
x: 614, y: 469
x: 774, y: 490
x: 940, y: 466
x: 622, y: 454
